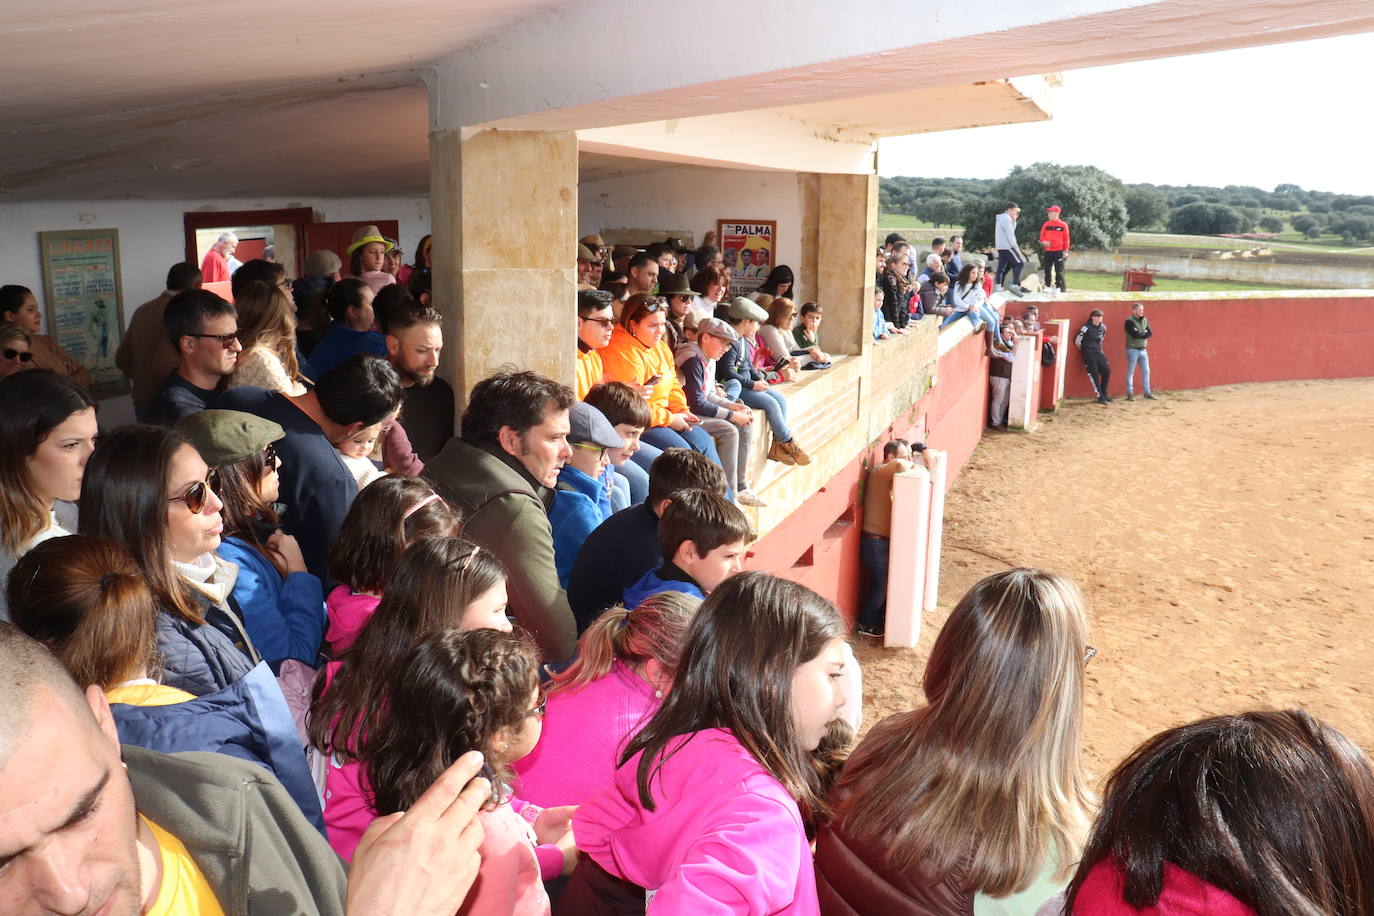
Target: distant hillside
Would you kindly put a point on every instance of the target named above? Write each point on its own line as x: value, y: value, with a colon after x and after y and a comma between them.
x: 1190, y: 209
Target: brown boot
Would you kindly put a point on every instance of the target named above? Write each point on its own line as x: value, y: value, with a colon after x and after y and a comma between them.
x: 778, y: 452
x: 792, y: 448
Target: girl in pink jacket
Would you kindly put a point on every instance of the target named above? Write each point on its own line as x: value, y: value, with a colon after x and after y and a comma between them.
x: 383, y: 519
x: 625, y: 662
x: 705, y: 815
x: 440, y: 583
x: 463, y: 691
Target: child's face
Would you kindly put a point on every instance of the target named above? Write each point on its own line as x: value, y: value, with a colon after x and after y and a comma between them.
x: 631, y: 436
x: 361, y: 443
x: 714, y: 567
x: 588, y: 457
x: 816, y: 694
x: 517, y: 741
x: 487, y: 611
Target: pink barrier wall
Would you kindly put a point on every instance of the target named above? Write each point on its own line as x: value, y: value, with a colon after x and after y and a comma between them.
x: 1198, y: 343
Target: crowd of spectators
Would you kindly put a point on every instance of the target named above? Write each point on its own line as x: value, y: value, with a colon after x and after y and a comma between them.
x: 304, y: 614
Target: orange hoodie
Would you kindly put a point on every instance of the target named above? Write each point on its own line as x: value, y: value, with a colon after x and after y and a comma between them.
x: 629, y: 361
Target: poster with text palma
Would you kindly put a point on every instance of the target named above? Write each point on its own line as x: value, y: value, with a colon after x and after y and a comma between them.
x: 748, y: 246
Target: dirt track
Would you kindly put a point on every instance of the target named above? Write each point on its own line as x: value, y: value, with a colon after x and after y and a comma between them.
x: 1224, y: 539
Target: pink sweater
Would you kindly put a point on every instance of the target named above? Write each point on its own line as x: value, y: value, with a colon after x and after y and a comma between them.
x: 725, y: 837
x: 347, y: 811
x: 584, y: 733
x: 347, y: 614
x: 509, y: 881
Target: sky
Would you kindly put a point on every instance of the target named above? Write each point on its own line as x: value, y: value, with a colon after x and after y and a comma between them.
x: 1291, y: 113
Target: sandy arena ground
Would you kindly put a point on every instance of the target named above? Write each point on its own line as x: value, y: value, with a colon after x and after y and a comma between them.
x: 1224, y: 539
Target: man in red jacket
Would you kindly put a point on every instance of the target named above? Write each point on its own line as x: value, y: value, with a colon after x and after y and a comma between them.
x: 1054, y: 239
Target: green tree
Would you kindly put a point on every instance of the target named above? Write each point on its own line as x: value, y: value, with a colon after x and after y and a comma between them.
x: 1145, y: 207
x: 1204, y: 219
x: 1093, y: 205
x: 1271, y: 224
x: 1305, y: 221
x: 940, y: 211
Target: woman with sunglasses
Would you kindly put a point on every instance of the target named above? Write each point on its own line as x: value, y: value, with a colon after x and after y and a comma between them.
x: 148, y: 488
x: 978, y: 799
x: 282, y: 605
x: 47, y: 431
x: 639, y: 357
x: 19, y: 305
x: 16, y: 348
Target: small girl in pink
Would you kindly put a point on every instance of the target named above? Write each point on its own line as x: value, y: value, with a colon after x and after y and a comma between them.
x: 384, y: 518
x: 625, y: 663
x: 475, y: 690
x: 440, y: 583
x: 706, y: 813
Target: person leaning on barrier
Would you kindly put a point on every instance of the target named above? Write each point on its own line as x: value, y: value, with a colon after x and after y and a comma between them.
x: 91, y: 826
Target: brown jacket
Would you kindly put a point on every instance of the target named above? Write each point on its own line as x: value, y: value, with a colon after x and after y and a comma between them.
x: 852, y: 880
x: 145, y: 354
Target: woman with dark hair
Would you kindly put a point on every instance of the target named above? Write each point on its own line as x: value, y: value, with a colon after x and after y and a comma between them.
x: 707, y: 805
x: 918, y: 819
x: 639, y: 357
x: 19, y: 305
x: 710, y: 284
x: 267, y: 333
x: 971, y: 302
x: 321, y: 271
x: 148, y: 488
x: 1268, y: 813
x: 47, y: 433
x: 281, y: 603
x: 352, y: 329
x: 424, y: 257
x: 778, y: 283
x: 440, y: 583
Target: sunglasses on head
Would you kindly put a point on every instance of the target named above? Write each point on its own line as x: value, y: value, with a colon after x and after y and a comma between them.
x: 23, y: 356
x: 195, y: 497
x: 654, y: 304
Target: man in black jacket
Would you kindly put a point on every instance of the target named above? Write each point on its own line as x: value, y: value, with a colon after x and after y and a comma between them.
x: 1089, y: 342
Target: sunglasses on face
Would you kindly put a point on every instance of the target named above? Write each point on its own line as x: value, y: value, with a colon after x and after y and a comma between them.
x: 23, y: 356
x: 604, y: 322
x: 195, y: 497
x: 225, y: 340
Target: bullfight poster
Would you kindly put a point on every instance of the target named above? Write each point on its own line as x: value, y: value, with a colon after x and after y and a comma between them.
x: 748, y: 246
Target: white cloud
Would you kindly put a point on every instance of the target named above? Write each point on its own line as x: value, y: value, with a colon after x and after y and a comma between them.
x: 1255, y: 116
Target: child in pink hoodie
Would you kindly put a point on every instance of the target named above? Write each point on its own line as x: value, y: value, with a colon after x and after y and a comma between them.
x: 625, y: 662
x: 383, y: 519
x: 440, y: 583
x: 475, y: 690
x: 706, y: 814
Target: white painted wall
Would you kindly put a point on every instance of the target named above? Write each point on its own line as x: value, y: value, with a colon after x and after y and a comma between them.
x: 151, y: 236
x: 692, y: 199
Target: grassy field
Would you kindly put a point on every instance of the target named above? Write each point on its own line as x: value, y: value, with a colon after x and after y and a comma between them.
x: 1080, y: 281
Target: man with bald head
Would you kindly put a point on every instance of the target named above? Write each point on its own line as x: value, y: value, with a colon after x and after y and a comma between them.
x: 88, y: 826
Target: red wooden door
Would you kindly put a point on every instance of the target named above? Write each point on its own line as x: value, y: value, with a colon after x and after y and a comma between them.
x: 336, y: 236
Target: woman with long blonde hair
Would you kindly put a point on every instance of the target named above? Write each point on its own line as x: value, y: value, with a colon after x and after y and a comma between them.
x: 267, y: 331
x: 982, y: 792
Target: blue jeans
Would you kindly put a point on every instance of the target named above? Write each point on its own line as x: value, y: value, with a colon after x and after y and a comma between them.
x: 1142, y: 357
x: 693, y: 437
x: 774, y: 407
x: 984, y: 312
x: 873, y: 554
x: 636, y: 478
x: 620, y: 491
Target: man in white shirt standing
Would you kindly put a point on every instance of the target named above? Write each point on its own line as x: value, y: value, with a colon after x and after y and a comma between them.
x: 1009, y: 257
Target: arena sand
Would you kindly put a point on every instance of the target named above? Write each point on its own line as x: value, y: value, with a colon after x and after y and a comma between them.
x: 1224, y: 539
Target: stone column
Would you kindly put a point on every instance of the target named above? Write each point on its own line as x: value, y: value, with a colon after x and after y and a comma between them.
x: 846, y: 234
x: 504, y: 217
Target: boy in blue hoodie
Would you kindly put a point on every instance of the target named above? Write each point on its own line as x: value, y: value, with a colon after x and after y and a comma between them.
x: 704, y: 538
x: 582, y: 499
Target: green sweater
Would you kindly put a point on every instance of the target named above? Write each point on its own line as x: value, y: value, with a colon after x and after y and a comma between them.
x: 1138, y: 332
x: 257, y: 851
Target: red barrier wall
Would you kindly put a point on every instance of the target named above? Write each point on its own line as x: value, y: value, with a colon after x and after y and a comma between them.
x: 1198, y: 343
x: 949, y: 417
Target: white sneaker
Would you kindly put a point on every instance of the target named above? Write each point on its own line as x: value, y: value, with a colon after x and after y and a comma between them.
x: 747, y: 497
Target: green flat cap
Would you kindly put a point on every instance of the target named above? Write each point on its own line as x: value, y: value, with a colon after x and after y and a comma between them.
x: 226, y: 437
x: 741, y: 307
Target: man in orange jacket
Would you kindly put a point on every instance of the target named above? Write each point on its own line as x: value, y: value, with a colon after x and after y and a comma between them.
x: 1054, y: 240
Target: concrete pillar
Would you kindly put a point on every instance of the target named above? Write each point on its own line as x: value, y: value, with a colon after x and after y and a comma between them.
x: 845, y: 237
x: 504, y: 216
x: 935, y: 539
x: 906, y: 565
x: 1024, y: 398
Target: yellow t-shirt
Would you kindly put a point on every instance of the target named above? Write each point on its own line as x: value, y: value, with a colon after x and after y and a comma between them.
x: 147, y: 695
x: 184, y: 890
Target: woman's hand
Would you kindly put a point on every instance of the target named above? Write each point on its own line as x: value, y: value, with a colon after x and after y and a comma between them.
x: 760, y: 385
x: 645, y: 391
x: 742, y: 418
x: 678, y: 423
x: 286, y: 548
